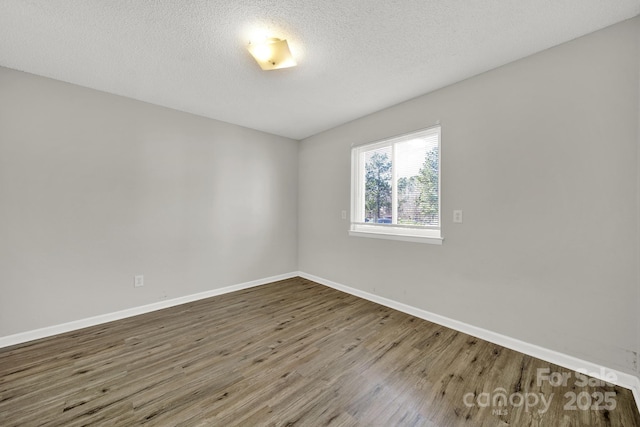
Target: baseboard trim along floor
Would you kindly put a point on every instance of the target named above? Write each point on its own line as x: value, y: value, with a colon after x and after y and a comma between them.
x: 134, y: 311
x: 597, y: 371
x: 622, y: 379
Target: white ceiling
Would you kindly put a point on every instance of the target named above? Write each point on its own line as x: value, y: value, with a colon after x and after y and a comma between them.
x: 355, y: 56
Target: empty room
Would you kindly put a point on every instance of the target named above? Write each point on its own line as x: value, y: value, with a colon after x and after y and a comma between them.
x: 345, y: 213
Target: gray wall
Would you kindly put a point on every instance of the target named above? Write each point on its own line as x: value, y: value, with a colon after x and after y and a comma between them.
x: 542, y: 156
x: 95, y: 188
x: 638, y: 197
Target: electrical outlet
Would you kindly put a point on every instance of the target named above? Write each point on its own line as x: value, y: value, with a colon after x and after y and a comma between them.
x: 343, y: 214
x: 457, y: 216
x: 138, y: 281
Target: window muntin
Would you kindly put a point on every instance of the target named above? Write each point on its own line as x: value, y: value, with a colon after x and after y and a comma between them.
x: 396, y: 187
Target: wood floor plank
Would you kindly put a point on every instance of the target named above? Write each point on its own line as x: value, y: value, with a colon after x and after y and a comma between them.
x: 288, y: 353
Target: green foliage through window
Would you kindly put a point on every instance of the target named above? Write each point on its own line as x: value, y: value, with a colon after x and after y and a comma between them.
x: 409, y: 167
x: 378, y: 186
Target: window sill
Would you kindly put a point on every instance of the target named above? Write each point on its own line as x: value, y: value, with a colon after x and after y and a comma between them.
x: 403, y: 235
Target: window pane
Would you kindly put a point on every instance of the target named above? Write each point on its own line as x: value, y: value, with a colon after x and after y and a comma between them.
x: 416, y: 166
x: 395, y: 188
x: 377, y: 195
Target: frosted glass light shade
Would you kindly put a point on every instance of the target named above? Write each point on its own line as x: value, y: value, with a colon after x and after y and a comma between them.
x: 272, y: 54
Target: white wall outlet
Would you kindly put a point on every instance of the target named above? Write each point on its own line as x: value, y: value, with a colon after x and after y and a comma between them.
x: 457, y: 216
x: 138, y: 280
x: 343, y: 214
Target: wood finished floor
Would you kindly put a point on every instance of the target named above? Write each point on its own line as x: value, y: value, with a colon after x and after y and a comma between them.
x: 288, y: 353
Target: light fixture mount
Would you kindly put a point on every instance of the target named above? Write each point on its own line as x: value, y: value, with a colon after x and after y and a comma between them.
x: 272, y: 54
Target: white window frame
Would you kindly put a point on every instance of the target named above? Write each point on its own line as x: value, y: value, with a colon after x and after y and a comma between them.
x: 409, y: 233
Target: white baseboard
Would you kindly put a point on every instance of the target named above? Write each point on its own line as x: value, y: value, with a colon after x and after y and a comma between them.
x: 622, y: 379
x: 48, y: 331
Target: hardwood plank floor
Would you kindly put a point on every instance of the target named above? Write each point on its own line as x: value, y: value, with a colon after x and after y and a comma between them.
x: 291, y: 353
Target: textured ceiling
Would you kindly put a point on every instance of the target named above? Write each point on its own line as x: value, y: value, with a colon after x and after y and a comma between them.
x: 355, y: 57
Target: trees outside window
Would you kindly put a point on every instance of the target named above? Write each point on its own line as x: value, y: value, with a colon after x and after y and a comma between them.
x: 397, y: 184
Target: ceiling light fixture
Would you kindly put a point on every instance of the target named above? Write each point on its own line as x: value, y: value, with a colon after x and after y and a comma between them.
x: 272, y: 54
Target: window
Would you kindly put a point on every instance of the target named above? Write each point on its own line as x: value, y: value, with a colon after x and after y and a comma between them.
x: 395, y: 190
